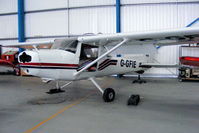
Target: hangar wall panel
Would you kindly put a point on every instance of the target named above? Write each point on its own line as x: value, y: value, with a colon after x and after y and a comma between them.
x: 31, y: 5
x: 92, y: 20
x: 190, y: 51
x: 153, y: 1
x: 81, y: 3
x: 146, y: 17
x: 7, y: 6
x: 8, y: 26
x: 46, y: 24
x: 187, y: 13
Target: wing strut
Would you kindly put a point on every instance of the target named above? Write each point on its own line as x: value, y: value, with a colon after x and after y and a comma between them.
x: 102, y: 56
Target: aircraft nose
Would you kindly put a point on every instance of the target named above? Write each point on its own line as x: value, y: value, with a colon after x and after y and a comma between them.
x: 29, y: 61
x: 24, y: 57
x: 28, y: 56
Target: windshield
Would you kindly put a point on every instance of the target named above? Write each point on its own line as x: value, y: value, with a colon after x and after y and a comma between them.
x: 68, y: 44
x: 72, y: 47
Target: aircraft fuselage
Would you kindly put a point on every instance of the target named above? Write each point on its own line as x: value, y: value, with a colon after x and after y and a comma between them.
x: 62, y: 65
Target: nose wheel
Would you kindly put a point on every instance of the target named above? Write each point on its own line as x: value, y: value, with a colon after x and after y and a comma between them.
x: 58, y: 88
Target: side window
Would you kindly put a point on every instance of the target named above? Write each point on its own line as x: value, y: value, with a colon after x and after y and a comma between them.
x: 89, y: 52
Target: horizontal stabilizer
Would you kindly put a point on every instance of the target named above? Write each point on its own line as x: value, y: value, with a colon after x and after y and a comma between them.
x: 149, y: 65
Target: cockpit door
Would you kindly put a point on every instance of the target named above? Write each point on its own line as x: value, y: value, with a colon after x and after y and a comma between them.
x: 88, y: 54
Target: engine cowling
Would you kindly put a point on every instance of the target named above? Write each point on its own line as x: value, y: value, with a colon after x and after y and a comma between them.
x: 29, y: 60
x: 54, y: 64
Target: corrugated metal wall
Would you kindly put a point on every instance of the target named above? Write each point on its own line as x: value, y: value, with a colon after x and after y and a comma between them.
x: 8, y: 6
x: 8, y: 19
x: 48, y: 19
x: 74, y: 17
x: 147, y: 15
x: 93, y: 20
x: 46, y: 24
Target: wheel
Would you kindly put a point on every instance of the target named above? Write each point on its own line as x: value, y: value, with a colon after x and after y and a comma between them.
x: 109, y: 95
x: 133, y: 100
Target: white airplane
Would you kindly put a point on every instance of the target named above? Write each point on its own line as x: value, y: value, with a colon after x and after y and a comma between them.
x: 87, y: 57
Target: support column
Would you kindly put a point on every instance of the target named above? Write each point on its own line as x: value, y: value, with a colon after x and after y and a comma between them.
x: 118, y: 19
x: 21, y: 25
x: 195, y: 21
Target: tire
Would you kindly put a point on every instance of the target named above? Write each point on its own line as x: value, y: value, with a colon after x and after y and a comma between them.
x: 109, y: 95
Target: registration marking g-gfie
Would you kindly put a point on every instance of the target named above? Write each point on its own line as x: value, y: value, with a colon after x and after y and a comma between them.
x: 128, y: 63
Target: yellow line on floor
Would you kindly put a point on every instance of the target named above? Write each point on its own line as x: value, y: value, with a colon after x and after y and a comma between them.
x: 108, y: 82
x: 57, y: 113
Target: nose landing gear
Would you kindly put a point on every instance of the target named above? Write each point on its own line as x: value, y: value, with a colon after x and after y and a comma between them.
x: 58, y: 88
x: 55, y: 91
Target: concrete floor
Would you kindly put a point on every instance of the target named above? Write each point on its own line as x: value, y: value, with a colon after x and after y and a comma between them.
x: 168, y: 106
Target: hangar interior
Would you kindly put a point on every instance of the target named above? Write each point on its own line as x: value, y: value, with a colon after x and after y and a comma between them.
x: 45, y: 20
x: 166, y: 105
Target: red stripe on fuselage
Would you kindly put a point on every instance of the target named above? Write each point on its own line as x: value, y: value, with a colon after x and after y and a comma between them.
x: 49, y: 64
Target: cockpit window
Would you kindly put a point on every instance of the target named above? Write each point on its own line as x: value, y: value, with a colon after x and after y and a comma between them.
x: 68, y: 44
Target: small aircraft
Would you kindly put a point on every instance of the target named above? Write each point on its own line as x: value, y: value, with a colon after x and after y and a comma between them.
x: 87, y: 57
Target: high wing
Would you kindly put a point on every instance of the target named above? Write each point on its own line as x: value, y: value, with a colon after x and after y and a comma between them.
x: 163, y: 37
x: 24, y: 44
x: 51, y: 44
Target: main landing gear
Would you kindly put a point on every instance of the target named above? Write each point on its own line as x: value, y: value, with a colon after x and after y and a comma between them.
x: 58, y: 88
x: 139, y: 80
x: 108, y: 94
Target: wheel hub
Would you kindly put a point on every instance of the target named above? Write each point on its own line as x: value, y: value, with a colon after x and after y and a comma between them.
x: 110, y: 96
